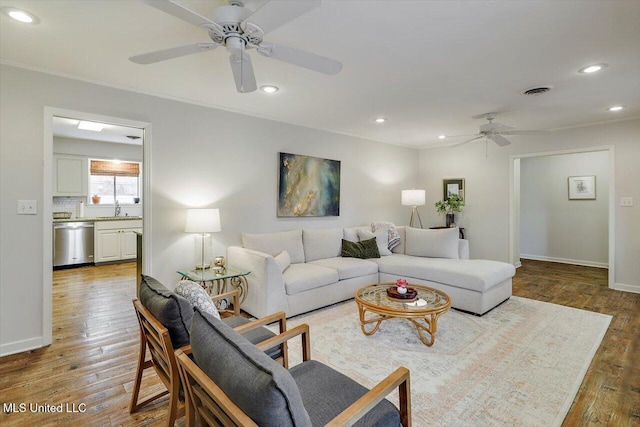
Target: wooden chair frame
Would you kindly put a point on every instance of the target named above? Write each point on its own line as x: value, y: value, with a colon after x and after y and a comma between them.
x: 209, y: 405
x: 155, y: 337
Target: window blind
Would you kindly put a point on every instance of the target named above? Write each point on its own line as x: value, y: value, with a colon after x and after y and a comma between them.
x: 104, y: 167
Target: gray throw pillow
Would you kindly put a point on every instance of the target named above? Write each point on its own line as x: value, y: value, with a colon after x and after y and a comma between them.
x: 363, y: 249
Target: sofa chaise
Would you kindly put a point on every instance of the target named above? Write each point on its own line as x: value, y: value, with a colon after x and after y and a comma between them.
x: 302, y: 270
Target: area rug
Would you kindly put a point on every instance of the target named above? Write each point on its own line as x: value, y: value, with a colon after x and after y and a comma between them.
x: 519, y: 365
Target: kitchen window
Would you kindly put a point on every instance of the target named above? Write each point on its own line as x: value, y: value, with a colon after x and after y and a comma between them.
x: 113, y: 180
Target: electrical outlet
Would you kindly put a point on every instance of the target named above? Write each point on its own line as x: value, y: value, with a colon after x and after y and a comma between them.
x: 626, y: 201
x: 27, y: 207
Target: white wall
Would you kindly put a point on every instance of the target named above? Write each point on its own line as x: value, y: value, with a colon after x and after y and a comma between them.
x: 486, y: 215
x: 554, y: 228
x: 200, y: 157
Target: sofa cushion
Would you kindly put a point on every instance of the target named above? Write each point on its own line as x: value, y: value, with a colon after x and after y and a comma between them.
x: 392, y: 232
x: 363, y: 250
x: 432, y: 243
x: 274, y: 243
x: 476, y: 274
x: 348, y: 268
x: 197, y: 296
x: 302, y: 277
x: 403, y: 238
x: 326, y: 393
x: 172, y: 310
x: 262, y: 388
x: 382, y: 239
x: 284, y: 260
x: 321, y: 243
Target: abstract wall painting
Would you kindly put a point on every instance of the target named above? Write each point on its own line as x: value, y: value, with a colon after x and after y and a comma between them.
x: 308, y: 186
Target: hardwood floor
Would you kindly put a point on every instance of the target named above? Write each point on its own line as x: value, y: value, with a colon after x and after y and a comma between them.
x: 95, y: 343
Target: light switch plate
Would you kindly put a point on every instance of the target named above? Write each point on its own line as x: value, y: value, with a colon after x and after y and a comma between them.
x: 27, y: 207
x: 626, y: 201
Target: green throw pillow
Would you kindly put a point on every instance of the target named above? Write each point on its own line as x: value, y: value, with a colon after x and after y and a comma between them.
x: 363, y: 249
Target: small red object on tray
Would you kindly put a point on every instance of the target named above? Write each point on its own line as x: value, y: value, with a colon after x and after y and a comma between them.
x: 393, y: 293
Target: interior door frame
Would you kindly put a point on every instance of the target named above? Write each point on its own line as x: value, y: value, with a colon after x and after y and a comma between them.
x: 47, y: 203
x: 514, y: 205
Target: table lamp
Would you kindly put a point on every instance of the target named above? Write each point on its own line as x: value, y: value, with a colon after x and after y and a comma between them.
x: 203, y: 222
x: 414, y: 198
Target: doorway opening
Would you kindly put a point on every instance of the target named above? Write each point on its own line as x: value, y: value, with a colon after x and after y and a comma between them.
x: 71, y: 140
x: 545, y: 237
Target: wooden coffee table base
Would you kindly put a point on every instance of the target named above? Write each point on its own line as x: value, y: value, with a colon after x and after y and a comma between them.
x: 373, y: 303
x: 426, y: 332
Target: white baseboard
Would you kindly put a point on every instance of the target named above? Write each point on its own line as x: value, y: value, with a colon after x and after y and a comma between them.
x: 565, y: 261
x: 518, y: 264
x: 626, y: 288
x: 20, y: 346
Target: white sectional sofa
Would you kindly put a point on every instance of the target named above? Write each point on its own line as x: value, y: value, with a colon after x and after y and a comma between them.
x: 301, y: 270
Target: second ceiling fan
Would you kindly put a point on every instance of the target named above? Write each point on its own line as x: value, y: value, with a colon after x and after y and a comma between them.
x: 495, y: 132
x: 239, y: 29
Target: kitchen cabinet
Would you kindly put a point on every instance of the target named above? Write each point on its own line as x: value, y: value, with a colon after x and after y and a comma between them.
x: 116, y: 240
x: 70, y: 175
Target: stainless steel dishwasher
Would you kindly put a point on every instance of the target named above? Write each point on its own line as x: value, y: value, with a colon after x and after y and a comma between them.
x: 72, y: 243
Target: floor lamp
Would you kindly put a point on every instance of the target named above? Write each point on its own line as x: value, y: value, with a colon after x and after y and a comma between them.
x: 203, y: 222
x: 414, y: 198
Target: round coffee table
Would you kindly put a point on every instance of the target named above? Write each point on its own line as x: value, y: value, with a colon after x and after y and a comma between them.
x: 374, y: 299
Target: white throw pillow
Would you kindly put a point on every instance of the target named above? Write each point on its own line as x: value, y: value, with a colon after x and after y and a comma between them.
x: 382, y: 239
x: 284, y: 260
x: 197, y: 297
x: 274, y: 243
x: 432, y: 243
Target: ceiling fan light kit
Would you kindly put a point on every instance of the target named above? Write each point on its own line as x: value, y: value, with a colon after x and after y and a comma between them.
x: 230, y: 27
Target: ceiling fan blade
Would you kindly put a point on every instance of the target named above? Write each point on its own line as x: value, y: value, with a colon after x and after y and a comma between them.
x: 300, y: 58
x: 243, y: 72
x: 461, y: 136
x: 468, y: 140
x: 179, y: 11
x: 525, y: 132
x: 273, y: 14
x: 174, y: 52
x: 499, y: 139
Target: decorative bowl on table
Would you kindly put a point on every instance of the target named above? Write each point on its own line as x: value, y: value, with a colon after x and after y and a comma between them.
x: 410, y: 293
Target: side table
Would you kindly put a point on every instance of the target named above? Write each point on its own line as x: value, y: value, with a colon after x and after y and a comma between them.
x: 217, y: 283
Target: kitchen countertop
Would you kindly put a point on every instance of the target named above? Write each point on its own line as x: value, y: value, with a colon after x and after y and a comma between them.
x: 100, y: 218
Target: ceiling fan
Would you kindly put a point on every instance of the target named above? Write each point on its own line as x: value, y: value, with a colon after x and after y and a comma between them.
x: 240, y: 29
x: 495, y: 132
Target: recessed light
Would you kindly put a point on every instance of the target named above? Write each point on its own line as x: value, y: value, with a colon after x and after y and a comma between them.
x: 442, y: 136
x: 616, y: 108
x: 380, y: 120
x: 592, y: 68
x: 269, y: 89
x: 92, y: 126
x: 20, y: 15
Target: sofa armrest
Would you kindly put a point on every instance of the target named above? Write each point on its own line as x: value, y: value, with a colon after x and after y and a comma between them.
x: 265, y: 291
x: 463, y: 249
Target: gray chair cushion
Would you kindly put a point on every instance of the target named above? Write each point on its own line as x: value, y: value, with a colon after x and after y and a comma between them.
x: 255, y: 336
x: 326, y: 392
x: 173, y: 311
x: 262, y: 388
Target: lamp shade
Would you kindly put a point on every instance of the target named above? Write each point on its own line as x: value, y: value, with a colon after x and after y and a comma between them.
x: 413, y: 197
x: 202, y: 221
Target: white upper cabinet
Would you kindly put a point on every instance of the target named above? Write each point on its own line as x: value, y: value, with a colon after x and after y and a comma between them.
x: 70, y: 175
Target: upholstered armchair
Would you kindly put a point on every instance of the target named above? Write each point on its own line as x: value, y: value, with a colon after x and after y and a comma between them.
x: 230, y: 381
x: 164, y: 318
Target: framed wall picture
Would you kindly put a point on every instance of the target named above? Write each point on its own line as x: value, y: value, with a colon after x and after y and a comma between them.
x: 453, y: 186
x: 308, y: 186
x: 582, y: 187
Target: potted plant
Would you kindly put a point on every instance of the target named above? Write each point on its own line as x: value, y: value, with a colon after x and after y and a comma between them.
x: 449, y: 207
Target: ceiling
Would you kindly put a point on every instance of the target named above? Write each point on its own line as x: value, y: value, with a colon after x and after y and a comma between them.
x: 68, y: 128
x: 429, y: 67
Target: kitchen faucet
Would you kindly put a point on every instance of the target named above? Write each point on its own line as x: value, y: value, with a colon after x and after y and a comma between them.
x: 117, y: 209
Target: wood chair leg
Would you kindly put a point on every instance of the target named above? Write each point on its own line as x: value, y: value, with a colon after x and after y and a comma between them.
x: 139, y: 370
